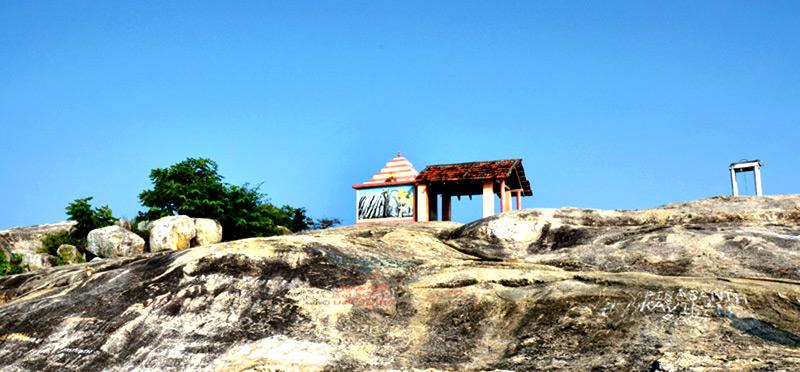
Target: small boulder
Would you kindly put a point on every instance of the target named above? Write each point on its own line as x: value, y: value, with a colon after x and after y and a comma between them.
x: 283, y: 230
x: 69, y: 254
x: 114, y: 241
x: 123, y: 223
x: 171, y: 233
x: 37, y: 261
x: 207, y: 231
x: 144, y: 225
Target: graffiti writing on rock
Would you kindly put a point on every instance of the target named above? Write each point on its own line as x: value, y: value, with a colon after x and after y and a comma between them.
x: 77, y: 351
x: 368, y: 295
x: 681, y: 302
x: 161, y: 301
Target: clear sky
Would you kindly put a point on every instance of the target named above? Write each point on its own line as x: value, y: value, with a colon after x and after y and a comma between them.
x: 611, y: 105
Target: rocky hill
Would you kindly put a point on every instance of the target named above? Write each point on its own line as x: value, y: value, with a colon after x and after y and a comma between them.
x: 26, y: 242
x: 711, y: 284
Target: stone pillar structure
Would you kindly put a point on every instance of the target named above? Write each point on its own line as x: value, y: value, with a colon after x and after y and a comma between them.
x: 759, y: 192
x: 503, y: 197
x: 446, y: 207
x: 488, y: 198
x: 433, y: 206
x: 422, y: 203
x: 746, y: 166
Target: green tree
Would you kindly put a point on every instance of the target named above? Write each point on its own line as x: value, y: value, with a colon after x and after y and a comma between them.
x: 192, y: 187
x: 88, y: 218
x: 195, y: 188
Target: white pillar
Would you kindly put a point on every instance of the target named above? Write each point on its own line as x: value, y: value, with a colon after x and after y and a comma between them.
x: 503, y: 197
x: 422, y: 203
x: 488, y: 198
x: 734, y: 186
x: 757, y: 170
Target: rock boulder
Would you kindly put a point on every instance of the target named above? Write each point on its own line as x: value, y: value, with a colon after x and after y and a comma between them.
x: 26, y: 241
x: 171, y: 233
x: 114, y: 241
x: 207, y: 231
x: 69, y: 254
x: 37, y: 261
x: 123, y: 223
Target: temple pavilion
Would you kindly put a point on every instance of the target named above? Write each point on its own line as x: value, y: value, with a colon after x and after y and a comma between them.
x: 399, y: 193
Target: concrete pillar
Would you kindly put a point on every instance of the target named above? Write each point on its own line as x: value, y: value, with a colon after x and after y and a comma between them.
x: 433, y: 206
x: 503, y: 197
x: 488, y: 198
x: 422, y: 203
x: 519, y: 199
x: 508, y: 200
x: 757, y: 171
x: 446, y: 207
x: 734, y: 186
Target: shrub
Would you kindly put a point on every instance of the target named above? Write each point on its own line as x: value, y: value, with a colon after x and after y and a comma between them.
x: 88, y: 218
x: 13, y: 266
x: 70, y: 258
x: 51, y: 242
x: 324, y: 223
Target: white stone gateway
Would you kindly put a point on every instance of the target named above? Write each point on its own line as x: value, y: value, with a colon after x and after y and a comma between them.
x: 746, y: 166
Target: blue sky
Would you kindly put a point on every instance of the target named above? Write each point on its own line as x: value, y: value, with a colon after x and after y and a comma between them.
x: 611, y: 104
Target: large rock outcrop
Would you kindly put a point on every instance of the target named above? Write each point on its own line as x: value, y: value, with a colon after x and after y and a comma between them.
x: 26, y: 242
x: 114, y: 241
x: 634, y: 290
x: 729, y: 236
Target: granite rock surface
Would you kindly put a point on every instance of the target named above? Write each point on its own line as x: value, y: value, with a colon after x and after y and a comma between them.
x: 710, y: 284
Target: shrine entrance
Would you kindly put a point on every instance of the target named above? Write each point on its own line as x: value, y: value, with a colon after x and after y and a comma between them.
x: 502, y: 178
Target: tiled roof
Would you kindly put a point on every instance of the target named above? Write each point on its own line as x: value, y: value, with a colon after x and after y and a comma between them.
x: 477, y: 171
x: 397, y: 170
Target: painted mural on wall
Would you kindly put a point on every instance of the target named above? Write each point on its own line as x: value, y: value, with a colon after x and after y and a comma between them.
x: 385, y: 202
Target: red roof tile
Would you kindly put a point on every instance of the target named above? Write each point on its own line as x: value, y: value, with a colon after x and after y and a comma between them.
x: 477, y: 171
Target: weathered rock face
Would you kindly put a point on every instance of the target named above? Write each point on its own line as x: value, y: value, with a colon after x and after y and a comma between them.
x: 144, y: 225
x: 38, y: 260
x: 726, y: 236
x: 207, y: 231
x: 27, y: 240
x: 171, y: 233
x: 408, y: 296
x: 69, y: 254
x: 123, y: 223
x: 114, y: 241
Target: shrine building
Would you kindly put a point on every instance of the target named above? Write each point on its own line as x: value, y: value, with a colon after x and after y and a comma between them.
x: 399, y: 193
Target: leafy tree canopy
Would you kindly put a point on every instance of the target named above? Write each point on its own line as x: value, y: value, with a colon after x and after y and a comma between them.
x: 88, y: 218
x: 195, y: 188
